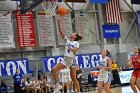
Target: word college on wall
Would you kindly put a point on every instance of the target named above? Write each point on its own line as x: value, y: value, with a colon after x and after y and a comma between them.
x: 83, y: 60
x: 8, y: 67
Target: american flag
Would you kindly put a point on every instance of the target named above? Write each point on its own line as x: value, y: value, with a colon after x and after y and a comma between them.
x: 113, y: 14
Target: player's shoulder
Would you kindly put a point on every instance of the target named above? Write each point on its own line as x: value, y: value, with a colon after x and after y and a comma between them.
x: 76, y: 42
x: 108, y: 58
x: 132, y: 57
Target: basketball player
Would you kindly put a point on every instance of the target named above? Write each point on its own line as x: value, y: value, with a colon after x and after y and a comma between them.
x: 104, y: 78
x: 71, y: 47
x: 64, y: 76
x: 135, y: 78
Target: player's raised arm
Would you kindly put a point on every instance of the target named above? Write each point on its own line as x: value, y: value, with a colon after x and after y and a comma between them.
x: 59, y: 28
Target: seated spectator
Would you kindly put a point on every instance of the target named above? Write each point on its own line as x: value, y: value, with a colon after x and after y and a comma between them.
x: 29, y: 85
x: 36, y: 85
x: 40, y: 80
x: 90, y: 78
x: 49, y: 84
x: 43, y: 86
x: 42, y: 83
x: 22, y: 86
x: 3, y: 87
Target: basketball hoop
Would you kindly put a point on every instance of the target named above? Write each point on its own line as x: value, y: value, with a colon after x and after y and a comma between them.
x: 49, y: 7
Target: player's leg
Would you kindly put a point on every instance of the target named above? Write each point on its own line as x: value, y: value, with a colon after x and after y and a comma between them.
x: 73, y: 77
x: 132, y: 84
x: 107, y: 82
x: 138, y: 79
x: 100, y: 86
x: 54, y: 71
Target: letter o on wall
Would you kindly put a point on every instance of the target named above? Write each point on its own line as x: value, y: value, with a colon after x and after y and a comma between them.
x: 10, y: 66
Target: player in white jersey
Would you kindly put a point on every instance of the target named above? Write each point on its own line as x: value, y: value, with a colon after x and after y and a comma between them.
x: 104, y: 78
x: 71, y: 47
x: 64, y: 77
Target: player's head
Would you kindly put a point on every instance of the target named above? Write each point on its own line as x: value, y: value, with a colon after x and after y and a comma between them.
x: 136, y: 50
x: 3, y: 82
x: 17, y: 70
x: 75, y: 37
x: 28, y: 79
x: 105, y: 52
x: 113, y: 61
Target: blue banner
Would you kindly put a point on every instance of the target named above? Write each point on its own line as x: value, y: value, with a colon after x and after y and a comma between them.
x: 135, y: 1
x: 111, y: 31
x: 138, y: 18
x: 99, y: 1
x: 8, y: 67
x: 83, y: 60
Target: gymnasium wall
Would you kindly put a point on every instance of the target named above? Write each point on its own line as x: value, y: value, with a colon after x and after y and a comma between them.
x: 119, y: 50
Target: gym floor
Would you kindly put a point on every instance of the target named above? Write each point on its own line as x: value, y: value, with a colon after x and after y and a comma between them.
x: 126, y: 89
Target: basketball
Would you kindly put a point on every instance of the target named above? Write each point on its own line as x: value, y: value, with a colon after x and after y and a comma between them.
x: 61, y: 10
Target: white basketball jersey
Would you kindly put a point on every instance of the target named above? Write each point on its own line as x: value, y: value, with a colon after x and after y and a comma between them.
x: 63, y: 73
x: 103, y: 63
x: 72, y: 44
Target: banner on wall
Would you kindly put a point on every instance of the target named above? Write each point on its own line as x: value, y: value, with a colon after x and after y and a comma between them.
x: 8, y: 67
x: 6, y: 30
x: 25, y: 29
x: 111, y: 31
x: 83, y: 60
x: 125, y: 76
x: 135, y: 1
x: 138, y: 17
x: 99, y: 1
x: 45, y: 28
x: 82, y: 26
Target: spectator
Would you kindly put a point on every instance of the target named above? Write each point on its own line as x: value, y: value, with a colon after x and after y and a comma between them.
x: 36, y: 85
x: 3, y: 87
x: 40, y: 80
x: 90, y: 78
x: 29, y: 85
x: 17, y: 81
x: 48, y: 84
x: 22, y: 86
x: 43, y: 85
x: 115, y: 72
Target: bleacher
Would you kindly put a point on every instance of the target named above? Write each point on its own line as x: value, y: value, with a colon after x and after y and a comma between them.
x: 86, y: 86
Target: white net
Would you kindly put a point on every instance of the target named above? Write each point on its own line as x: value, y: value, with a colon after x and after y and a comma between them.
x: 49, y: 7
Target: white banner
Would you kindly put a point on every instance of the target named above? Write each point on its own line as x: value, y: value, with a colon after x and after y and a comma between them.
x: 66, y: 26
x: 125, y: 76
x: 6, y: 30
x: 82, y: 26
x: 45, y: 29
x: 8, y: 5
